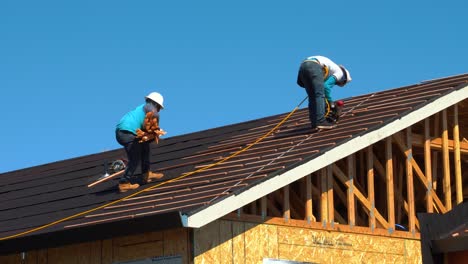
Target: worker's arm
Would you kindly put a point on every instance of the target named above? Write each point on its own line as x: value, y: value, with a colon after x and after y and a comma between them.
x: 329, y: 83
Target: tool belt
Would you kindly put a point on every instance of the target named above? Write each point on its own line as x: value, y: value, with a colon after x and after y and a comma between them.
x: 324, y: 67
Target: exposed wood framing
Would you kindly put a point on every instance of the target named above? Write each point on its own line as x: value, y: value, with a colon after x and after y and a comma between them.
x: 264, y: 207
x: 331, y: 204
x: 427, y: 165
x: 342, y: 177
x: 375, y: 186
x: 286, y: 204
x: 399, y: 195
x: 389, y: 182
x: 370, y: 186
x: 457, y: 158
x: 446, y: 162
x: 323, y: 197
x: 308, y: 206
x: 419, y: 173
x: 409, y: 182
x: 350, y: 192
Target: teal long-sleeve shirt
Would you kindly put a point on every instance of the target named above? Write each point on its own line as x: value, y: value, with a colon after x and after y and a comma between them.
x: 329, y: 83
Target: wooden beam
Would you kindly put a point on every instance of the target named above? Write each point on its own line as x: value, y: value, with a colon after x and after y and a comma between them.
x: 427, y: 165
x: 253, y: 207
x: 457, y: 158
x: 370, y: 186
x: 350, y: 192
x: 342, y: 177
x: 286, y: 204
x: 272, y: 207
x: 295, y: 203
x: 323, y: 197
x: 340, y: 194
x: 389, y: 182
x: 381, y: 172
x: 436, y: 143
x: 409, y: 183
x: 263, y: 206
x: 435, y: 154
x: 419, y: 173
x: 331, y: 204
x: 446, y: 162
x: 308, y: 206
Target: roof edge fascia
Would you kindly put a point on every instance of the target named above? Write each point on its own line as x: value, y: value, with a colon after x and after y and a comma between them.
x: 232, y: 203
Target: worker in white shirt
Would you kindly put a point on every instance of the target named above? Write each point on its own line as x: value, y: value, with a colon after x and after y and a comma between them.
x: 318, y: 75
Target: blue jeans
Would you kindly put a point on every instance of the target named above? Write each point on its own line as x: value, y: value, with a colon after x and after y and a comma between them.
x: 136, y: 153
x: 311, y: 78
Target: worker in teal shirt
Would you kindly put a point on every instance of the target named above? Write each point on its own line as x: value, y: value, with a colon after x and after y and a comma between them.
x: 318, y: 74
x: 137, y: 152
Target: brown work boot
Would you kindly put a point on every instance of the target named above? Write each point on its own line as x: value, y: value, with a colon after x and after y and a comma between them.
x: 123, y: 187
x: 151, y: 176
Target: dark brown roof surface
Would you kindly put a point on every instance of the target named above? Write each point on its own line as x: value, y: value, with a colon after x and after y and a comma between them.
x: 39, y: 195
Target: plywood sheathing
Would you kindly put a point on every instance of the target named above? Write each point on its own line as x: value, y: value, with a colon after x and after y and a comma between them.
x: 244, y: 242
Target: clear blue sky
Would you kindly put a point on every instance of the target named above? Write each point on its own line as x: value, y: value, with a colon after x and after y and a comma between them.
x: 70, y: 69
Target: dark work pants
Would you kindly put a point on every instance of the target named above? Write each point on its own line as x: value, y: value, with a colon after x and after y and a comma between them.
x: 136, y: 153
x: 310, y: 77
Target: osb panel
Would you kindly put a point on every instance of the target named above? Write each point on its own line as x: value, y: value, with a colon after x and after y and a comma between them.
x: 238, y: 243
x: 332, y: 255
x: 272, y: 241
x: 176, y: 243
x: 339, y: 240
x: 329, y: 247
x: 72, y: 254
x: 413, y: 251
x: 256, y: 243
x: 206, y: 239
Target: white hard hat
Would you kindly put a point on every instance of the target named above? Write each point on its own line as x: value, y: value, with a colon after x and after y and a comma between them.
x: 346, y: 76
x: 156, y: 97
